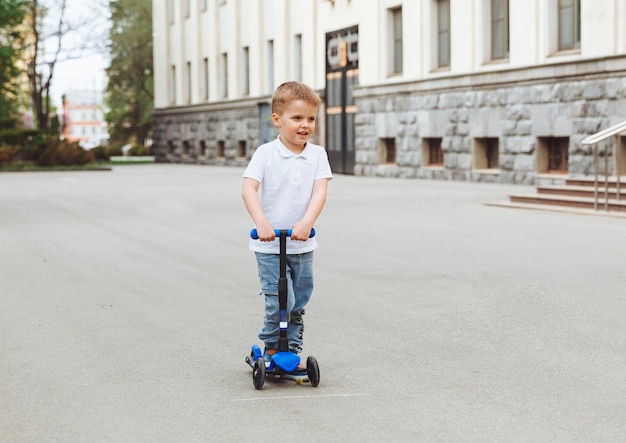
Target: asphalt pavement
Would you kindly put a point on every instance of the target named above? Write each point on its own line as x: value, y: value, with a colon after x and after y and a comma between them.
x: 128, y: 302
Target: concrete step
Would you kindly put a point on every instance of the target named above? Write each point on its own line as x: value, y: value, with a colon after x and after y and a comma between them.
x: 590, y: 181
x: 567, y: 201
x: 582, y: 191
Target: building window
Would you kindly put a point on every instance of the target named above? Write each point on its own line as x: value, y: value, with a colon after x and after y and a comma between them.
x: 173, y: 85
x: 569, y: 24
x: 443, y: 33
x: 387, y: 151
x: 224, y: 76
x: 171, y: 11
x: 202, y: 148
x: 185, y: 148
x: 486, y: 152
x: 270, y: 66
x: 221, y: 149
x: 432, y: 154
x: 395, y: 43
x: 552, y: 155
x: 203, y: 5
x: 297, y: 57
x: 241, y: 149
x: 188, y: 82
x: 186, y: 8
x: 499, y: 29
x: 245, y: 71
x: 170, y: 147
x: 205, y: 77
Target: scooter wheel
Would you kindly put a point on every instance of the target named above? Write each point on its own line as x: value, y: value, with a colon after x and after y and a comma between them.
x: 258, y: 373
x: 313, y: 371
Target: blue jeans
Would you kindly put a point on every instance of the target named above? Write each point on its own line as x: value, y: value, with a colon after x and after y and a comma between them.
x: 299, y: 290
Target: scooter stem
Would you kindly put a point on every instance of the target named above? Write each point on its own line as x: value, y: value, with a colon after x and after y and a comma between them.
x: 283, y: 343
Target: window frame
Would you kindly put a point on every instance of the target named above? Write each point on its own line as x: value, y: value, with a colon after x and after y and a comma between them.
x: 568, y: 15
x: 396, y: 63
x: 499, y: 25
x: 443, y: 34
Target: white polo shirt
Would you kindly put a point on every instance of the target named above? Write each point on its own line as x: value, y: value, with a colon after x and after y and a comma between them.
x: 286, y: 184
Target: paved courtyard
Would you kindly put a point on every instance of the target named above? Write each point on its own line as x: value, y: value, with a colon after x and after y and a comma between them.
x: 128, y: 303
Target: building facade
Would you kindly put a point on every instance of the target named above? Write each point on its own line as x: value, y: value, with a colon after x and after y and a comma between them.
x: 480, y: 90
x: 83, y: 118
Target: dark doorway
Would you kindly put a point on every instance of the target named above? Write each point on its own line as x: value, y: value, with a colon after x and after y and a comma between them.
x: 342, y: 74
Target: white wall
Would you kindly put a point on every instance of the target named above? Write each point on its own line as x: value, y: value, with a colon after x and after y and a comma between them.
x: 230, y: 25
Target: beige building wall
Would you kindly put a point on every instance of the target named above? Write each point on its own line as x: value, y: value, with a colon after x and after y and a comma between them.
x: 189, y: 35
x: 217, y: 63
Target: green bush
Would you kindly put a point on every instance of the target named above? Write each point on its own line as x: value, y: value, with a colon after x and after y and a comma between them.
x: 83, y: 157
x: 139, y: 150
x: 100, y: 154
x: 14, y: 136
x: 54, y: 152
x: 8, y: 123
x: 114, y: 150
x: 8, y: 153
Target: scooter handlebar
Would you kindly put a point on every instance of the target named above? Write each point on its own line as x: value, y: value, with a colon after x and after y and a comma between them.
x: 255, y: 236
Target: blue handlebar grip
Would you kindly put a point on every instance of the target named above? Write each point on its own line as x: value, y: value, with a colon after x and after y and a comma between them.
x: 255, y: 236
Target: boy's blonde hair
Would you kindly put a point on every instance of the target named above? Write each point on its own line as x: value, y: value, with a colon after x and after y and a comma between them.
x: 291, y: 91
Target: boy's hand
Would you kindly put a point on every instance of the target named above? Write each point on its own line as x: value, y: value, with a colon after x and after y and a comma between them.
x: 301, y: 231
x: 266, y: 232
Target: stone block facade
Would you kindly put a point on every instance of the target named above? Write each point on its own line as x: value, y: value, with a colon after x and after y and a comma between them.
x: 214, y: 134
x: 519, y: 108
x: 522, y: 109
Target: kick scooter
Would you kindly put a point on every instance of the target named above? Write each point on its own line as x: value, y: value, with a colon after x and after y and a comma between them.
x: 283, y: 364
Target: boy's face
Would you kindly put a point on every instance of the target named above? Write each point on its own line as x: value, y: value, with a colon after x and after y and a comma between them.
x: 296, y: 124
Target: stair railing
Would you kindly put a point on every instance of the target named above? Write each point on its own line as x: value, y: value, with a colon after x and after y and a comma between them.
x: 594, y: 139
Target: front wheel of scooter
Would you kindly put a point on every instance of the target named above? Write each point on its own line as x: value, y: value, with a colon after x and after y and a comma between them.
x: 258, y: 373
x: 313, y: 371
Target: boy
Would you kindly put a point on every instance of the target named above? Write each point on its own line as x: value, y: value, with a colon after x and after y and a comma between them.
x: 293, y: 176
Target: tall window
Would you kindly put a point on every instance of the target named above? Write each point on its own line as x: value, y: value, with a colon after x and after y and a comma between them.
x: 499, y: 29
x: 245, y: 71
x: 203, y: 5
x: 205, y: 77
x: 173, y: 85
x: 188, y: 82
x: 443, y: 33
x: 224, y: 76
x: 186, y: 6
x: 270, y: 66
x: 569, y: 24
x: 395, y: 44
x: 297, y: 57
x: 171, y: 11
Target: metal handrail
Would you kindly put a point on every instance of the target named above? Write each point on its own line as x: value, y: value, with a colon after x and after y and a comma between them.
x: 613, y: 131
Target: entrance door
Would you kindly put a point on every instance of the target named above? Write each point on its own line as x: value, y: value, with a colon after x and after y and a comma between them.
x: 342, y: 74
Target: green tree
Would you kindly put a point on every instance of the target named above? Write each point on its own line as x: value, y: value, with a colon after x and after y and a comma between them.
x: 55, y: 35
x: 12, y: 14
x: 129, y: 94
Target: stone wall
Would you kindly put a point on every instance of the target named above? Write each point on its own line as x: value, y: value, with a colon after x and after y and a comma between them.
x: 518, y: 107
x: 518, y: 113
x: 225, y: 134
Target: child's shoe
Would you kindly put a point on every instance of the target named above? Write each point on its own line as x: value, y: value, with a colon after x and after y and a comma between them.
x: 267, y: 355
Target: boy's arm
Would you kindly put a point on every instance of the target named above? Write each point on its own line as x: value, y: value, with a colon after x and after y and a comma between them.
x: 253, y: 205
x: 302, y: 229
